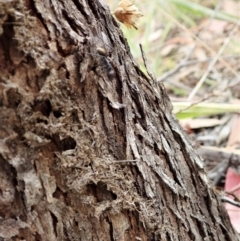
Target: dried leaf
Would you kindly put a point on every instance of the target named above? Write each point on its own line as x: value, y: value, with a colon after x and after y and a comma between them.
x: 127, y: 13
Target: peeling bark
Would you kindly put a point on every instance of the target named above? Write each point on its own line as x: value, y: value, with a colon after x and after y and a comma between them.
x: 86, y: 155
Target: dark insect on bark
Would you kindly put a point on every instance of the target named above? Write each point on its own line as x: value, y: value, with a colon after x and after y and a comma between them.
x: 103, y: 53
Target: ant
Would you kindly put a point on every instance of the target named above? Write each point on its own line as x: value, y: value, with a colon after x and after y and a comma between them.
x: 103, y: 53
x: 105, y: 60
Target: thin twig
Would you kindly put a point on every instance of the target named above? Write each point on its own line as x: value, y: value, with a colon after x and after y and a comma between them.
x: 151, y: 75
x: 229, y: 200
x: 122, y: 161
x: 234, y: 195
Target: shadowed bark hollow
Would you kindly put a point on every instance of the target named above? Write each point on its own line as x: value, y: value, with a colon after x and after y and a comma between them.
x: 89, y: 148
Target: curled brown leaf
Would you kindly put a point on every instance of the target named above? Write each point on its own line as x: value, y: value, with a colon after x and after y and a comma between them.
x: 127, y: 13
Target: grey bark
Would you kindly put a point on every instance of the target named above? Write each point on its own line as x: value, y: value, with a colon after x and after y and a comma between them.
x: 85, y: 154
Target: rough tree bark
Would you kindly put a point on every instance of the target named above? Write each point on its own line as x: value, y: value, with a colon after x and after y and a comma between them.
x: 86, y: 154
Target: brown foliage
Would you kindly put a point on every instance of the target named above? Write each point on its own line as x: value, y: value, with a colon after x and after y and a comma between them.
x: 127, y: 13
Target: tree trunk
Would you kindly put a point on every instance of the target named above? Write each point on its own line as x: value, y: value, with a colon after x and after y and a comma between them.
x: 89, y: 148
